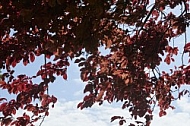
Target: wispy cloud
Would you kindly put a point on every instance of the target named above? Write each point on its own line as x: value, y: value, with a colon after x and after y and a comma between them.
x: 65, y: 113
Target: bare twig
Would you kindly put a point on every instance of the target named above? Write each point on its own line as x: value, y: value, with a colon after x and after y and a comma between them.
x: 182, y: 57
x: 43, y: 118
x: 147, y: 17
x: 45, y: 62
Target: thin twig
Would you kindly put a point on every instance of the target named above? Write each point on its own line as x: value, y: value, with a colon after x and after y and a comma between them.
x: 147, y: 17
x: 43, y: 118
x: 182, y: 57
x: 45, y: 63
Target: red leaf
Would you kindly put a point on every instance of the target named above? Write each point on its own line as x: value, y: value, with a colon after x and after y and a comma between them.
x: 46, y: 113
x: 7, y: 121
x: 14, y: 63
x: 29, y: 107
x: 172, y: 107
x: 138, y: 122
x: 25, y: 62
x: 162, y: 8
x: 2, y: 106
x: 1, y: 99
x: 172, y: 59
x: 2, y: 82
x: 99, y: 97
x: 32, y: 57
x: 83, y: 76
x: 131, y: 124
x: 77, y: 61
x: 187, y: 47
x: 148, y: 117
x: 155, y: 13
x: 14, y: 111
x: 48, y: 56
x: 43, y: 76
x: 54, y: 99
x: 121, y: 122
x: 80, y: 105
x: 27, y: 117
x: 88, y: 87
x: 162, y: 113
x: 175, y: 50
x: 65, y: 76
x: 167, y: 59
x: 115, y: 117
x: 44, y: 103
x: 52, y: 106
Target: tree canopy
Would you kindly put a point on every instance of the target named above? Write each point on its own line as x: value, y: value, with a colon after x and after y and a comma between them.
x: 138, y: 34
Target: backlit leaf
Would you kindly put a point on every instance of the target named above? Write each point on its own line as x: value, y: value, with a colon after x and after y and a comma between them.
x: 32, y: 57
x: 65, y: 76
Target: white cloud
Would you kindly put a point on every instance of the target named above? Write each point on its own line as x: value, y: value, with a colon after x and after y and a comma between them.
x: 78, y: 93
x: 65, y: 113
x: 184, y: 104
x: 178, y: 117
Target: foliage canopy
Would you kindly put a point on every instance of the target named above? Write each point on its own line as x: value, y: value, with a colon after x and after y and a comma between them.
x: 137, y: 33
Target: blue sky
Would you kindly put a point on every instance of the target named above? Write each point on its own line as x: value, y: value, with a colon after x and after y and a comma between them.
x: 70, y: 93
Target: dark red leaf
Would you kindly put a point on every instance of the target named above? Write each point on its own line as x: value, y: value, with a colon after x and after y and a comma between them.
x: 14, y: 63
x: 132, y: 124
x: 30, y: 107
x: 32, y: 57
x: 122, y: 121
x: 7, y: 121
x: 65, y: 76
x: 138, y: 122
x: 1, y: 99
x: 162, y: 113
x: 77, y: 60
x: 2, y: 106
x: 14, y: 111
x: 52, y: 106
x: 167, y: 59
x: 187, y: 47
x: 115, y: 117
x: 43, y: 76
x: 54, y: 99
x: 2, y: 82
x: 25, y: 62
x: 46, y: 113
x: 80, y: 105
x: 135, y: 35
x: 155, y: 13
x: 88, y: 87
x: 44, y: 103
x: 48, y: 56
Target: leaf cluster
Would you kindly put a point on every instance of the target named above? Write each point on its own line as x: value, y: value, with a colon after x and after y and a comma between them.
x: 136, y: 32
